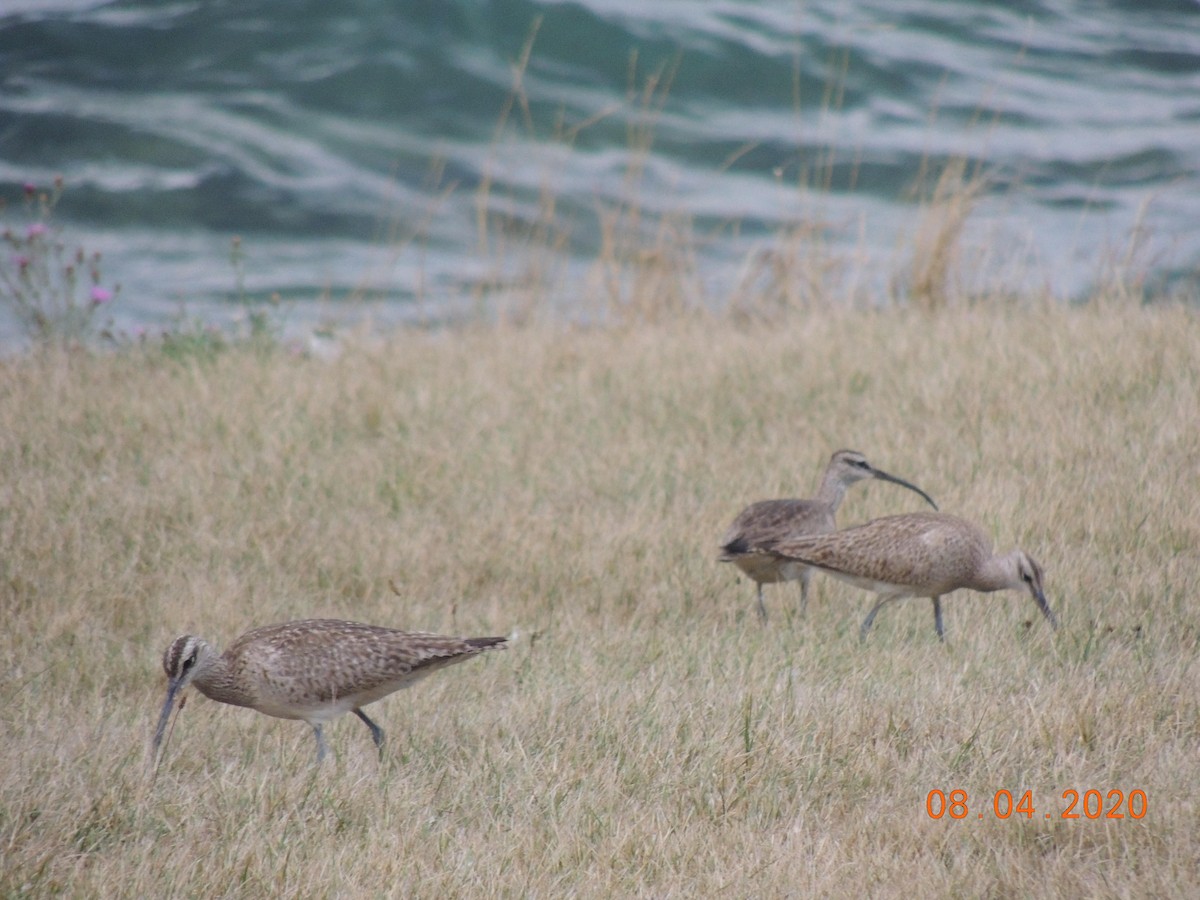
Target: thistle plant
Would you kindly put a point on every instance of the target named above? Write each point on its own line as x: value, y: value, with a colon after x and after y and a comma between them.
x: 55, y: 291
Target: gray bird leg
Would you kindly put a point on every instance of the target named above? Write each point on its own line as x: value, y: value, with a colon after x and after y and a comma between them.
x: 321, y: 749
x: 866, y: 625
x: 376, y: 731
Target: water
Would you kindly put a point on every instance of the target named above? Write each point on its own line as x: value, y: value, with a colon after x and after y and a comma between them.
x: 346, y: 143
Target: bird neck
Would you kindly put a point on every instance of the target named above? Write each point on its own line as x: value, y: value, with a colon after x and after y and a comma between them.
x: 998, y: 573
x: 831, y: 491
x: 216, y: 682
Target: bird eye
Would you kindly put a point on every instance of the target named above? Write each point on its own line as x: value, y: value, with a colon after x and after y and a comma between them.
x: 189, y: 662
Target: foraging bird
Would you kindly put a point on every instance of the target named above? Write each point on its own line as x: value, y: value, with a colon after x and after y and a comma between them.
x: 916, y: 555
x: 768, y: 521
x: 313, y: 669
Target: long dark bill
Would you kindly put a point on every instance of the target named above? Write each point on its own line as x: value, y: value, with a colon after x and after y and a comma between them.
x: 1040, y: 598
x: 165, y: 715
x: 900, y: 481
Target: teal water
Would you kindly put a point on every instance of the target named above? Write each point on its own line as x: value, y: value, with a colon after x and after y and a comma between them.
x: 345, y: 142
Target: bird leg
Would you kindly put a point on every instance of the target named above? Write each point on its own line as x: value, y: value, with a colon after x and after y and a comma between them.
x: 762, y: 609
x: 805, y: 577
x: 937, y: 618
x: 376, y: 731
x: 316, y: 727
x: 866, y: 625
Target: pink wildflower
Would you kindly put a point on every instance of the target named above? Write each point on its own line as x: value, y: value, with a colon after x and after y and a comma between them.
x: 30, y: 187
x: 100, y: 295
x: 37, y: 229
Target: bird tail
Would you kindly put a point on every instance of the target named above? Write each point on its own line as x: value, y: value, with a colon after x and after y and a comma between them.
x: 733, y: 549
x: 487, y: 643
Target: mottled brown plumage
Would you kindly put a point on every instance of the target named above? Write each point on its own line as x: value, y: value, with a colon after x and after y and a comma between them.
x: 769, y: 521
x: 916, y: 555
x: 314, y: 669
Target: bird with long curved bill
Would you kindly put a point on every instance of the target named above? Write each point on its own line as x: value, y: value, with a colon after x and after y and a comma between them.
x: 767, y: 521
x: 314, y: 670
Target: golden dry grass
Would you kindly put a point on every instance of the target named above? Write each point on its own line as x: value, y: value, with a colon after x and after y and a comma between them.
x: 645, y: 736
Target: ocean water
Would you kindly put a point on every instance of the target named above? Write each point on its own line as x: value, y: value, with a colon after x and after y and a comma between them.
x: 352, y: 147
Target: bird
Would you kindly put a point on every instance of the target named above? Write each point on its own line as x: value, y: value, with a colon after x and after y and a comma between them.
x: 773, y: 520
x: 311, y: 669
x: 920, y: 554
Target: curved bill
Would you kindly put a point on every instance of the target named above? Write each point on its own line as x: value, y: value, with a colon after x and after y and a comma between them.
x: 879, y: 473
x: 172, y: 689
x: 1040, y: 598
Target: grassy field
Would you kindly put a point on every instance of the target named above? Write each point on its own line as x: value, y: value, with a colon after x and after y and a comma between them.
x: 645, y: 735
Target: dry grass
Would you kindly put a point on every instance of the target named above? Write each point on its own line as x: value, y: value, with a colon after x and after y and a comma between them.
x: 645, y: 736
x: 930, y: 283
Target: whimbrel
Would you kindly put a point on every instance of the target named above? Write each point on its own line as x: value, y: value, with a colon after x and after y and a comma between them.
x: 917, y: 555
x: 768, y: 521
x: 313, y: 669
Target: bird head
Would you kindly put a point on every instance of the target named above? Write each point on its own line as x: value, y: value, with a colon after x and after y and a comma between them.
x: 852, y: 467
x: 1029, y: 574
x: 183, y: 660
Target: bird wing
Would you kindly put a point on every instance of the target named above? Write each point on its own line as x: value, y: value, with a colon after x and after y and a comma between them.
x: 337, y: 659
x: 767, y: 521
x: 897, y: 550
